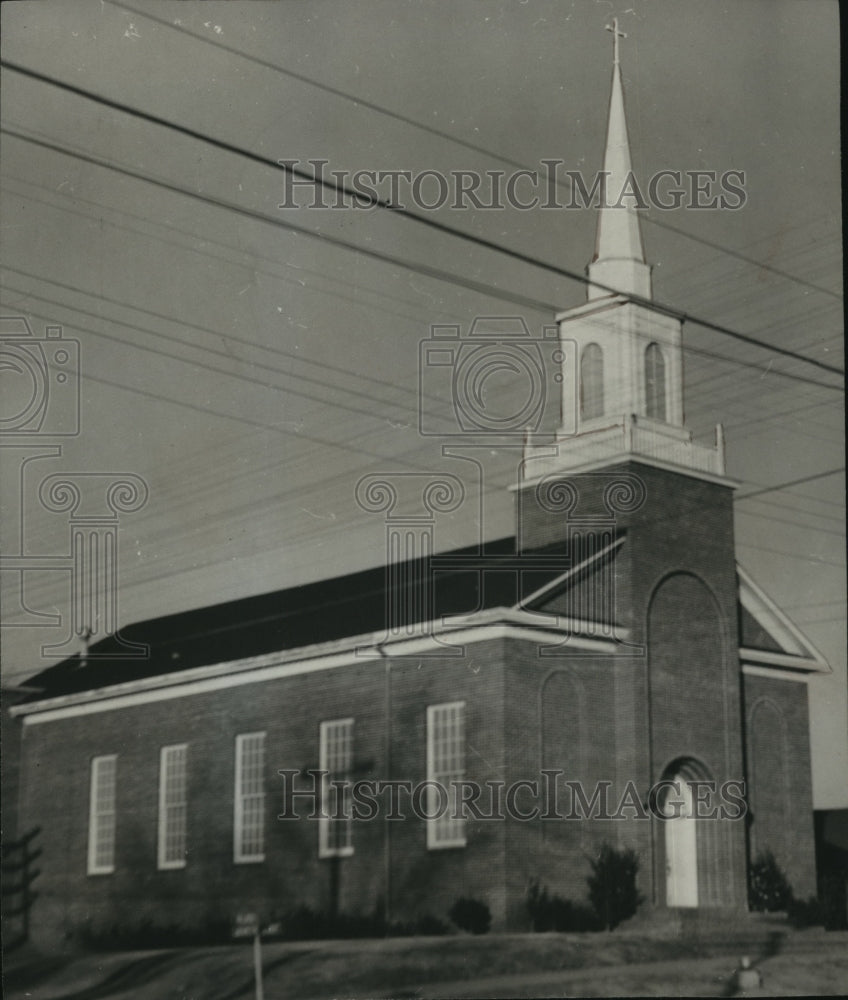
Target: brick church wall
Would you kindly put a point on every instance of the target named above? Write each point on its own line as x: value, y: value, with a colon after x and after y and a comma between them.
x: 289, y: 710
x: 558, y: 718
x: 778, y: 763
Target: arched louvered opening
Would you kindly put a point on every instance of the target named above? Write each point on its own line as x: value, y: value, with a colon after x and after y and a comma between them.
x: 655, y: 402
x: 591, y: 382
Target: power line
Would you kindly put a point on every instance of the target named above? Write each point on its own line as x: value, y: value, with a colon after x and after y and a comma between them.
x: 208, y: 349
x: 350, y: 444
x: 792, y: 555
x: 702, y: 352
x: 823, y: 621
x: 792, y: 482
x: 240, y: 340
x: 422, y: 126
x: 252, y: 256
x: 328, y: 385
x: 432, y: 272
x: 787, y: 508
x: 785, y: 520
x: 813, y: 604
x: 278, y: 371
x: 376, y: 202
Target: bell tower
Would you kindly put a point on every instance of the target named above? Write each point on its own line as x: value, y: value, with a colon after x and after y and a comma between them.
x: 623, y: 466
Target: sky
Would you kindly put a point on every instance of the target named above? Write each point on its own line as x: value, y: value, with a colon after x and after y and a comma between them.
x: 250, y: 364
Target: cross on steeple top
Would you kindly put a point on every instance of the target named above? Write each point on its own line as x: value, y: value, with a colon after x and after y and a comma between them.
x: 616, y: 34
x: 619, y: 260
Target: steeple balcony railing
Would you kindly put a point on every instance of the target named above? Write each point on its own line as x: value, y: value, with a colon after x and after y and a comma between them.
x: 629, y: 437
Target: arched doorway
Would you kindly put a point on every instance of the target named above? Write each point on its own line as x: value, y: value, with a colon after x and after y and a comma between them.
x: 681, y: 844
x: 686, y: 848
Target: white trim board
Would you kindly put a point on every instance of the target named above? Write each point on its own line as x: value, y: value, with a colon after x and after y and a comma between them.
x: 775, y: 673
x: 624, y: 458
x: 220, y: 677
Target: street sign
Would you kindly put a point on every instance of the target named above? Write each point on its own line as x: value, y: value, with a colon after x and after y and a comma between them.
x: 246, y: 925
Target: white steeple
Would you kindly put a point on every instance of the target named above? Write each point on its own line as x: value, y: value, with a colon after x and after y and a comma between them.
x: 622, y: 373
x: 619, y: 260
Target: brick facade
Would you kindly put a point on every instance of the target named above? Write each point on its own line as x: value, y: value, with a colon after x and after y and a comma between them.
x: 778, y: 763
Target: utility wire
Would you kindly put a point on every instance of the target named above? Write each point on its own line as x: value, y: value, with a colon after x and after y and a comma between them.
x: 341, y: 189
x: 791, y: 482
x: 795, y: 524
x: 688, y: 349
x: 422, y: 126
x: 432, y: 272
x: 792, y: 555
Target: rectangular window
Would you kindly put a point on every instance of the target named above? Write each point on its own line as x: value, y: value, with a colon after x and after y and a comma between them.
x: 101, y: 816
x: 445, y: 764
x: 249, y: 818
x: 172, y: 806
x: 335, y: 833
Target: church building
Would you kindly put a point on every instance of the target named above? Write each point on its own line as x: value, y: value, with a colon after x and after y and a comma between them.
x: 609, y: 671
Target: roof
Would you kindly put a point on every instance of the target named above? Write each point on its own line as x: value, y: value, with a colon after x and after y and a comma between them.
x: 551, y: 581
x: 317, y: 613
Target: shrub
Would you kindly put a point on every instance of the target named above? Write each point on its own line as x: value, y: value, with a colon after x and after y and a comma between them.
x: 768, y: 888
x: 552, y: 913
x: 471, y: 915
x: 612, y: 885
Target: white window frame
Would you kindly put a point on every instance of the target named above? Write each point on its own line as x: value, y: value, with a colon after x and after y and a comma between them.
x: 96, y: 811
x: 444, y: 831
x: 329, y: 792
x: 165, y: 817
x: 239, y: 798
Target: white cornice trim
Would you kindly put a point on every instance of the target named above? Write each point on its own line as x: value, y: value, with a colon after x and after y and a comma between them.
x: 805, y: 664
x: 501, y: 623
x: 626, y: 457
x: 750, y: 669
x: 593, y: 306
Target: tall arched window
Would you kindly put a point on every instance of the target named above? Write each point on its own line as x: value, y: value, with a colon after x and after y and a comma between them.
x: 591, y: 382
x: 655, y: 382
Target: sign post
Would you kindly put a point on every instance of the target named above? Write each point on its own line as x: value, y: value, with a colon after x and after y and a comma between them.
x: 257, y: 964
x: 247, y: 925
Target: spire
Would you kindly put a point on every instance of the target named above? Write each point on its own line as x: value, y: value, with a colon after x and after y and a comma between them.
x: 619, y: 260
